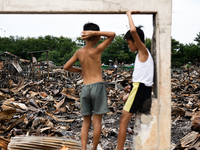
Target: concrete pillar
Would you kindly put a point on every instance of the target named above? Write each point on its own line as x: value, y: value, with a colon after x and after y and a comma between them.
x: 153, y: 131
x: 146, y: 129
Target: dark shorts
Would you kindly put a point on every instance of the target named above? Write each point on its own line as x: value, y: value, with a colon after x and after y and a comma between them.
x: 138, y: 95
x: 94, y: 99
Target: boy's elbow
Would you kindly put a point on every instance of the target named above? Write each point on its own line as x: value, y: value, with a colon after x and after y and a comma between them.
x: 113, y: 34
x: 66, y: 67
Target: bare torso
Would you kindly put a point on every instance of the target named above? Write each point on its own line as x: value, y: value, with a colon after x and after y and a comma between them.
x: 91, y: 65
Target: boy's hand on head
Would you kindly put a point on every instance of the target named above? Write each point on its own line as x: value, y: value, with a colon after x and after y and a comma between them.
x: 87, y: 34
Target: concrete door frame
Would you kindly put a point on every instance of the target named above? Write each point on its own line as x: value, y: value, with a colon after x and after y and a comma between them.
x: 161, y: 42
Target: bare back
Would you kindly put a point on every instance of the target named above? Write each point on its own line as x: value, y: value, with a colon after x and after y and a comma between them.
x: 91, y: 65
x: 90, y: 56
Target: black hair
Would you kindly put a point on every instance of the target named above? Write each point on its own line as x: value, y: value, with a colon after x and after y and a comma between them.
x: 140, y: 32
x: 91, y: 26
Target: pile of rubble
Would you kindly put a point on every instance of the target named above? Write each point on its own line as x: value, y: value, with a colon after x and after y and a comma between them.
x: 186, y: 109
x: 51, y: 109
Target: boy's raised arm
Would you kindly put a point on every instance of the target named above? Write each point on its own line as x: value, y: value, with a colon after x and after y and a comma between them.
x: 134, y: 34
x: 110, y: 36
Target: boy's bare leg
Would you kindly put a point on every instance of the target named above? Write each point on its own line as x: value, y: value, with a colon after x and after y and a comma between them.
x: 84, y: 131
x: 126, y: 116
x: 97, y: 118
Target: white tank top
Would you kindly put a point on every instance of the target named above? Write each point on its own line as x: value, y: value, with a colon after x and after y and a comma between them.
x: 144, y: 71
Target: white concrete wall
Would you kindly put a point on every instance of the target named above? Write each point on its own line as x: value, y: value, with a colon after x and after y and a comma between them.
x: 82, y: 6
x: 162, y: 10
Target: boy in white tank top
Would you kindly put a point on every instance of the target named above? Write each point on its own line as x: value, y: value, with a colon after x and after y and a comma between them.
x: 142, y: 79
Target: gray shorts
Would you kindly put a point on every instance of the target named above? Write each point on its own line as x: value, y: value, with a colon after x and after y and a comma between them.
x: 94, y: 99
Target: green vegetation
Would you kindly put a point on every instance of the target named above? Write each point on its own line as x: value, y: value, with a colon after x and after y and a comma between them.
x: 62, y: 48
x: 184, y: 53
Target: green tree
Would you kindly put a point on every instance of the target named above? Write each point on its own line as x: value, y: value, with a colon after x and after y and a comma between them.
x: 148, y: 43
x: 197, y: 39
x: 191, y: 52
x: 119, y: 50
x: 176, y: 53
x: 67, y: 56
x: 53, y: 56
x: 61, y: 49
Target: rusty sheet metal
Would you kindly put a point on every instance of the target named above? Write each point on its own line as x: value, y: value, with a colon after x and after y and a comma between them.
x: 43, y: 143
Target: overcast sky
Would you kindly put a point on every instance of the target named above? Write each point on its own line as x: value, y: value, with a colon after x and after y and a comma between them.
x: 185, y: 23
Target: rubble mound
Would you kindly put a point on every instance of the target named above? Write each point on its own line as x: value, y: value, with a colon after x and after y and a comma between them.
x: 52, y: 109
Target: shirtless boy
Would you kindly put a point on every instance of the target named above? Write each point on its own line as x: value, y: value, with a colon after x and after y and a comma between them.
x: 93, y: 95
x: 142, y: 78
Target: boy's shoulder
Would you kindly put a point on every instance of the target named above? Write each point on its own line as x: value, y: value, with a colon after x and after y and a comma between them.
x: 79, y: 50
x: 82, y: 50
